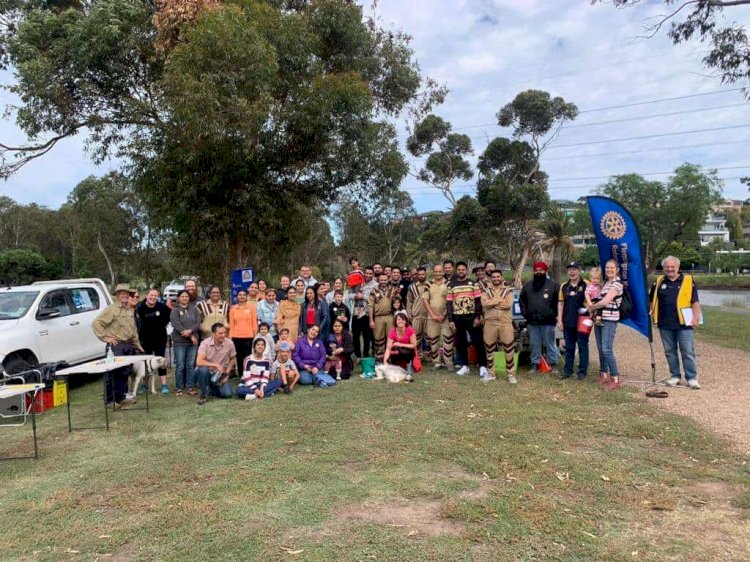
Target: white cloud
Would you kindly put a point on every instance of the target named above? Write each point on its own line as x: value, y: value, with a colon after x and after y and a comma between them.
x: 489, y: 50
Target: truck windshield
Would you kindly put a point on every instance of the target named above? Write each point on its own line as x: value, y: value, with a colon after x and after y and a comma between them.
x: 15, y: 305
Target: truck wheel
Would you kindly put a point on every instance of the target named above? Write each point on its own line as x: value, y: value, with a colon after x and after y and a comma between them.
x: 18, y: 365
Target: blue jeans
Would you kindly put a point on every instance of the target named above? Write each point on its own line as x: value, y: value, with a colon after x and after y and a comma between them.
x: 605, y: 341
x: 306, y: 377
x: 573, y: 339
x: 682, y: 339
x: 184, y: 366
x: 542, y: 335
x: 270, y: 390
x: 204, y: 374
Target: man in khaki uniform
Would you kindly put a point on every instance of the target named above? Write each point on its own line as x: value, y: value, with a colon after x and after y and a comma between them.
x: 497, y: 304
x: 416, y: 308
x: 437, y: 320
x: 115, y: 326
x: 379, y: 305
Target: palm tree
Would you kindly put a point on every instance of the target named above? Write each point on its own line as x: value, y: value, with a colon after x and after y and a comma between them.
x: 553, y: 238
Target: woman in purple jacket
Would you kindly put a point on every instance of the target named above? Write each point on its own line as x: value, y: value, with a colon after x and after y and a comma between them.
x: 309, y: 355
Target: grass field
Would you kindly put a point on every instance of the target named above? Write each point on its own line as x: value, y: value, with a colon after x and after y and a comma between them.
x: 726, y: 327
x: 442, y: 469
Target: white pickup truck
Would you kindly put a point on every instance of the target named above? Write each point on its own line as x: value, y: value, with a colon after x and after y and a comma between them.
x: 49, y: 322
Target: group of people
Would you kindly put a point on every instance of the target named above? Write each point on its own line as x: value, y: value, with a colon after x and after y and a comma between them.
x: 312, y: 333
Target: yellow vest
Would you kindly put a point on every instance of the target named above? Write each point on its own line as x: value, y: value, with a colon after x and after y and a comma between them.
x: 683, y: 298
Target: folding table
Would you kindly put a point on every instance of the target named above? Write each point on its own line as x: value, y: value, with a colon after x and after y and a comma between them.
x: 22, y: 391
x: 100, y: 366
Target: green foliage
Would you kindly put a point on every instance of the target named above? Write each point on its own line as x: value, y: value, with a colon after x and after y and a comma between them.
x: 588, y: 257
x: 667, y: 211
x: 534, y: 113
x: 21, y: 267
x: 446, y: 154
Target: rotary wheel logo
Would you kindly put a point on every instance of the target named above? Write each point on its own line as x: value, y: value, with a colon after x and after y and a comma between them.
x: 613, y: 225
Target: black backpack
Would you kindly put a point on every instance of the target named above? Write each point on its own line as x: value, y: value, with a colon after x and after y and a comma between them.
x: 626, y: 305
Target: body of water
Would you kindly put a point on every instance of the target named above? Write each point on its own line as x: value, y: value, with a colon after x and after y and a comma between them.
x: 712, y: 297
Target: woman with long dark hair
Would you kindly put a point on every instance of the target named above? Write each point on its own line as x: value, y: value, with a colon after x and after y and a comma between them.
x: 315, y: 312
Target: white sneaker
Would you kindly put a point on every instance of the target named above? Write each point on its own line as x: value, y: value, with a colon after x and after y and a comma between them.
x: 512, y: 379
x: 249, y: 397
x: 484, y: 373
x: 693, y: 383
x: 463, y: 371
x: 674, y: 381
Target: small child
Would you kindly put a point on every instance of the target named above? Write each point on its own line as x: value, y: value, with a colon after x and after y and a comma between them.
x: 339, y: 311
x: 356, y: 277
x: 396, y: 305
x: 284, y: 338
x: 263, y: 333
x: 255, y: 381
x: 285, y: 369
x: 594, y: 293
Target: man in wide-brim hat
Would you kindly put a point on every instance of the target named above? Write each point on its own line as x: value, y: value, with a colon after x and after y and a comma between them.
x: 115, y: 326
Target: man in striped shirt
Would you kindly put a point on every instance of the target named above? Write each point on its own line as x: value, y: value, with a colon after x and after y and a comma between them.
x: 464, y: 312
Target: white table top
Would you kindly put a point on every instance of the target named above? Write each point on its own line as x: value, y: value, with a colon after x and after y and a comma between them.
x: 11, y: 390
x: 101, y: 366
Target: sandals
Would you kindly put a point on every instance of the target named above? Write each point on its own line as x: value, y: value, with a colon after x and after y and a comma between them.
x: 178, y: 392
x: 192, y: 392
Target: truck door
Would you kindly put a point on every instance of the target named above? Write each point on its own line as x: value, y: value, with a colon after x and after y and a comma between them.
x: 54, y: 331
x: 86, y: 307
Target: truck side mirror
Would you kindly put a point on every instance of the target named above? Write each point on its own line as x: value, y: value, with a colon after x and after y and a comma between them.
x: 45, y: 313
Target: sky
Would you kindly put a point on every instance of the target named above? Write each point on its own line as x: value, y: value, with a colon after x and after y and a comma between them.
x: 486, y: 52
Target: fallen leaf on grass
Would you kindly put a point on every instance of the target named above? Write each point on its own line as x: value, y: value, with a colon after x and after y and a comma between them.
x: 292, y: 551
x: 605, y: 478
x: 71, y: 551
x: 105, y: 536
x: 562, y: 476
x: 440, y: 401
x: 412, y: 533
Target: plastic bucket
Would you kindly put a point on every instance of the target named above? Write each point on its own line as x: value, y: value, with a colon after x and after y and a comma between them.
x: 498, y: 362
x: 367, y: 364
x: 585, y: 324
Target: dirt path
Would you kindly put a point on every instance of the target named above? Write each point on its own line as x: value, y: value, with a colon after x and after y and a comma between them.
x: 722, y: 404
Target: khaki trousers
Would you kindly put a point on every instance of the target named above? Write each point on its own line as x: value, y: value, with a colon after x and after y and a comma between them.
x: 499, y: 335
x: 420, y: 328
x: 440, y: 353
x: 383, y: 325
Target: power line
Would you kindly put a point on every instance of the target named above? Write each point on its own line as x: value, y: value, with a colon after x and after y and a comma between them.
x: 655, y: 116
x: 650, y: 136
x: 643, y: 174
x: 663, y: 148
x: 621, y: 106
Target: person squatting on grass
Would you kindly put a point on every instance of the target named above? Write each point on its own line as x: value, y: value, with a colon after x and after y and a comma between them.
x: 284, y: 368
x: 216, y: 362
x: 339, y: 352
x: 402, y: 343
x: 677, y: 312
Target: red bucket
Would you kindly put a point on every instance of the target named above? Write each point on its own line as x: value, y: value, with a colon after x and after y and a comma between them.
x: 585, y: 325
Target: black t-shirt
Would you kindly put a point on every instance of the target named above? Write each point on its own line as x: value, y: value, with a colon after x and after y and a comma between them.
x: 573, y: 297
x: 153, y: 321
x: 668, y: 292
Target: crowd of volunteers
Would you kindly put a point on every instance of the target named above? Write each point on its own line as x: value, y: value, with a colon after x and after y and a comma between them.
x: 310, y: 332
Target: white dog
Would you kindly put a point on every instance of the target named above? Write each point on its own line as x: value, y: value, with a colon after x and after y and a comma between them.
x: 148, y: 368
x: 392, y: 373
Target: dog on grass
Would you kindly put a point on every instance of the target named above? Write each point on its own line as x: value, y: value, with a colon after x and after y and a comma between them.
x: 392, y: 373
x: 144, y: 369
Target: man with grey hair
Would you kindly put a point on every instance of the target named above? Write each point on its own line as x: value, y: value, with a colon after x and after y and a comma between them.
x: 676, y: 311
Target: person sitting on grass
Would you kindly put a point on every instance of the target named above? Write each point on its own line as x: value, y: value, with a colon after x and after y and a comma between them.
x: 284, y: 368
x: 309, y: 355
x: 339, y: 355
x: 215, y: 364
x: 402, y: 343
x: 263, y: 334
x: 256, y: 375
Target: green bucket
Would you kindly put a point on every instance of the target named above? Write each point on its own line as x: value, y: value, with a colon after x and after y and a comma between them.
x: 367, y: 364
x: 498, y: 362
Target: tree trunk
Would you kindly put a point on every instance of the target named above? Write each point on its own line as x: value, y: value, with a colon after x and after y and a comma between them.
x: 557, y: 263
x: 106, y: 259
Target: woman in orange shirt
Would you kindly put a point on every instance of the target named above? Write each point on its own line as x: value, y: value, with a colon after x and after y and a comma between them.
x: 243, y: 325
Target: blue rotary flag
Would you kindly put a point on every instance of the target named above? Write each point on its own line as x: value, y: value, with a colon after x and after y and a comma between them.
x: 617, y: 238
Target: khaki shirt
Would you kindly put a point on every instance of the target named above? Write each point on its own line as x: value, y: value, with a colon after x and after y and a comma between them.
x: 436, y: 296
x: 497, y: 304
x: 414, y: 301
x: 117, y: 321
x: 380, y: 303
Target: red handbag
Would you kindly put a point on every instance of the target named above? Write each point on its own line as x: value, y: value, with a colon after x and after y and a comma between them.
x: 416, y: 363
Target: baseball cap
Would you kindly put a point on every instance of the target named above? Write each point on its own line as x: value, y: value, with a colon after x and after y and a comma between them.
x: 573, y: 264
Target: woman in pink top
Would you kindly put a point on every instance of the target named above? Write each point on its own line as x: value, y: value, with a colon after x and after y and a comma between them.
x: 402, y: 342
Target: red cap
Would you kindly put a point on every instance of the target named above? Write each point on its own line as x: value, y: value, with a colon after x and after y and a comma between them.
x: 541, y: 265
